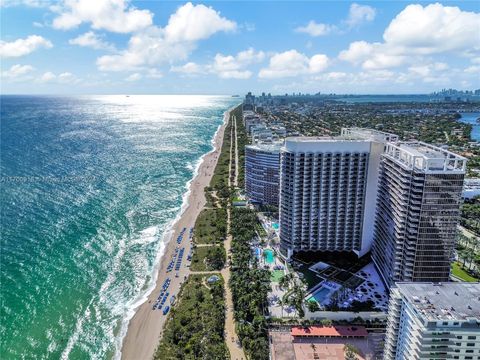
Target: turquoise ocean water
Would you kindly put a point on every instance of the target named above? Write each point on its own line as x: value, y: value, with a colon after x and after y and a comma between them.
x: 90, y: 186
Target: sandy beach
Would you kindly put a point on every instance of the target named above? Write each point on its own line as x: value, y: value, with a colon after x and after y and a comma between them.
x: 146, y: 326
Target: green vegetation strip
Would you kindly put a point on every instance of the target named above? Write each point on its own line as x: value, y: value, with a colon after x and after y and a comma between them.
x: 458, y: 272
x: 208, y: 258
x: 249, y: 285
x: 195, y: 327
x: 242, y: 140
x: 220, y: 176
x: 211, y: 226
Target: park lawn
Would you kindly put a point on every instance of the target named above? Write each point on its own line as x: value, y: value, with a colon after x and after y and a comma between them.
x: 198, y: 258
x: 206, y: 259
x: 462, y: 274
x: 195, y: 326
x: 210, y: 227
x: 276, y: 276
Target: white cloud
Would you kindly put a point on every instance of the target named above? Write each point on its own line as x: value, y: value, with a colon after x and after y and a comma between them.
x: 434, y: 29
x: 28, y: 3
x: 191, y: 23
x: 17, y: 71
x: 154, y: 45
x: 371, y: 56
x: 112, y: 15
x: 21, y: 47
x: 315, y: 29
x: 474, y: 69
x: 225, y: 66
x: 66, y: 77
x: 359, y: 14
x: 336, y: 75
x: 357, y: 52
x: 62, y: 78
x: 415, y: 32
x: 292, y: 63
x: 48, y: 76
x: 146, y: 48
x: 317, y: 63
x: 189, y: 68
x: 427, y: 69
x: 90, y: 39
x: 234, y: 67
x: 134, y: 77
x: 154, y: 74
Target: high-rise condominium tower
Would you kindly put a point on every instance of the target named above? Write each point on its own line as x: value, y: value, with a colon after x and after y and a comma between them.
x: 418, y: 206
x: 433, y: 321
x: 328, y: 188
x: 262, y: 172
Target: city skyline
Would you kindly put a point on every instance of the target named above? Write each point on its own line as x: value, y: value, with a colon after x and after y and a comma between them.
x: 148, y: 47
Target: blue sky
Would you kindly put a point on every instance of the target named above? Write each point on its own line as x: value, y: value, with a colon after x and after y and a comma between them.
x: 230, y: 47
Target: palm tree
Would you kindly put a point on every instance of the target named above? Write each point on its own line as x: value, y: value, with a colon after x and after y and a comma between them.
x: 350, y: 352
x: 280, y: 302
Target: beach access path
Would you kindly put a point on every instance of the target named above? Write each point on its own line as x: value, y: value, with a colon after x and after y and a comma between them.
x: 146, y: 326
x: 231, y: 337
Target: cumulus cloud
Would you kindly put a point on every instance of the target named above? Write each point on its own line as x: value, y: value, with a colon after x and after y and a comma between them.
x: 92, y: 40
x: 112, y: 15
x: 21, y: 47
x: 191, y: 23
x: 415, y: 32
x: 62, y: 78
x: 234, y: 67
x: 434, y: 28
x: 292, y: 63
x: 425, y: 70
x: 474, y: 69
x: 48, y: 76
x: 17, y: 71
x: 315, y: 29
x: 154, y: 45
x: 189, y: 68
x: 224, y: 66
x: 133, y: 77
x: 359, y: 14
x: 145, y: 49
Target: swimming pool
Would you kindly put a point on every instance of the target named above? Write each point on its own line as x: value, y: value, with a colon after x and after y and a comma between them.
x: 320, y: 295
x: 269, y: 256
x: 275, y: 226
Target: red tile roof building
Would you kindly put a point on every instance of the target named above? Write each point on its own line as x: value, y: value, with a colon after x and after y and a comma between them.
x: 329, y: 331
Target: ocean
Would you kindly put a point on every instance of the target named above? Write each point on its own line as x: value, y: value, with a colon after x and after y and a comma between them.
x: 90, y: 186
x: 471, y: 118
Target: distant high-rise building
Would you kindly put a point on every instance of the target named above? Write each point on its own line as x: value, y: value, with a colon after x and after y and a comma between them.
x: 328, y: 189
x: 417, y: 211
x: 249, y: 102
x: 433, y: 321
x: 262, y: 171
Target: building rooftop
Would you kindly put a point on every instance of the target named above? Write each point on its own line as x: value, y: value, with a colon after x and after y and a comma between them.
x: 316, y: 139
x: 369, y: 134
x: 443, y: 301
x: 266, y: 146
x: 425, y: 157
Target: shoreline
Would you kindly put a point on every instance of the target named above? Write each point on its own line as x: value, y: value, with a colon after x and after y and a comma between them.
x: 145, y: 327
